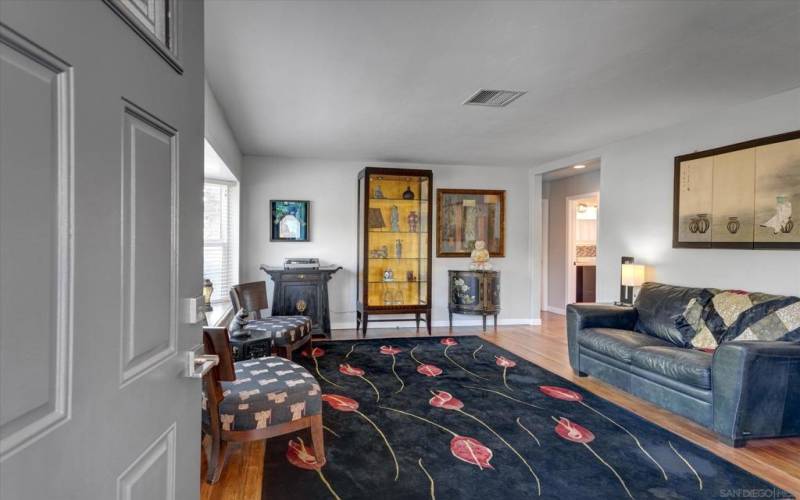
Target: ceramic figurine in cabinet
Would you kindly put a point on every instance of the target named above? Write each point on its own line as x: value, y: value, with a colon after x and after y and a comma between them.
x: 395, y: 218
x: 413, y: 220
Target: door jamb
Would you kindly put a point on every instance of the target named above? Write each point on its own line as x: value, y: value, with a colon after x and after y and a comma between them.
x: 545, y: 285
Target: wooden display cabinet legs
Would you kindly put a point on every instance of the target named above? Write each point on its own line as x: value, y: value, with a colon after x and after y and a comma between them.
x: 362, y: 318
x: 450, y: 313
x: 484, y: 322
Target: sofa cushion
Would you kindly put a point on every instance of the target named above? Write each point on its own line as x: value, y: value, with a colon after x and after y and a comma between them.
x: 267, y: 391
x: 616, y: 344
x: 658, y: 306
x: 688, y: 366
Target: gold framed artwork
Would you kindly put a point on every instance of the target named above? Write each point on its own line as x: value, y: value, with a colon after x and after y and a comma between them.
x: 739, y: 196
x: 465, y: 216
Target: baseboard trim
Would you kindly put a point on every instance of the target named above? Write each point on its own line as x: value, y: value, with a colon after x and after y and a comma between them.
x: 556, y: 310
x: 456, y: 322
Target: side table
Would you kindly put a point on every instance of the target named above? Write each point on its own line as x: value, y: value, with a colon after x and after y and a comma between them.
x: 474, y: 292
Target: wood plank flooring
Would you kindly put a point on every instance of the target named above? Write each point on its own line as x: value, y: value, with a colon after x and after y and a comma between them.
x: 777, y: 460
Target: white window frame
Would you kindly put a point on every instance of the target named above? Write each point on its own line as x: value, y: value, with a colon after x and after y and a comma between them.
x: 222, y: 296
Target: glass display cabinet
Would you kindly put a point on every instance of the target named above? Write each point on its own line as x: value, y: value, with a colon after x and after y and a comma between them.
x: 394, y: 245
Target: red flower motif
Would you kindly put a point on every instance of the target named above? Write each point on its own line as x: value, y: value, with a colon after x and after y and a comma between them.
x: 302, y: 456
x: 387, y: 349
x: 351, y: 370
x: 449, y: 341
x: 571, y: 431
x: 504, y: 362
x: 446, y: 400
x: 429, y: 370
x: 471, y: 450
x: 316, y: 352
x: 560, y: 393
x: 340, y: 403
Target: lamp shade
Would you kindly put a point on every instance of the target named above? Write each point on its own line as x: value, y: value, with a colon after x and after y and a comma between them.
x: 632, y: 274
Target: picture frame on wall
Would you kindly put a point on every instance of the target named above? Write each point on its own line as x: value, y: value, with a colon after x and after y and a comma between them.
x: 739, y: 196
x: 289, y: 220
x: 465, y: 216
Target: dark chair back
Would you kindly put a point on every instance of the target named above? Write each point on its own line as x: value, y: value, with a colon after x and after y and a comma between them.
x: 215, y: 341
x: 250, y: 296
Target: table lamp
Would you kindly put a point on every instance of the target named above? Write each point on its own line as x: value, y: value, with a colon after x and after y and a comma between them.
x: 632, y: 277
x: 208, y: 289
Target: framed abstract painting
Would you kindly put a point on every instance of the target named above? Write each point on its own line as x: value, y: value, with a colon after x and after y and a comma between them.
x: 465, y: 216
x: 739, y: 196
x: 289, y: 220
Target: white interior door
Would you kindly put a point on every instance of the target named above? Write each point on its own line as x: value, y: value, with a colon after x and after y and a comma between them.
x: 101, y: 172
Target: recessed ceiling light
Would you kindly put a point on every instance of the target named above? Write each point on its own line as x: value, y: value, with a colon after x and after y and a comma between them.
x: 578, y: 167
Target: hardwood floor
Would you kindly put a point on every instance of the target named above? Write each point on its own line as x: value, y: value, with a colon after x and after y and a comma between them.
x: 777, y: 461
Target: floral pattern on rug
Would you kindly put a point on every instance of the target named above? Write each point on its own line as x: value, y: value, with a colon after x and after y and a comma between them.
x: 459, y: 418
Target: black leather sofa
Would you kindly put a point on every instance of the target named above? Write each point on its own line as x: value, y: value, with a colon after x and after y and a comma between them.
x: 744, y: 390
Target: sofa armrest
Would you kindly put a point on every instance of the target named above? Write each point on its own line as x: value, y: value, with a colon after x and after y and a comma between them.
x: 580, y: 316
x: 755, y: 389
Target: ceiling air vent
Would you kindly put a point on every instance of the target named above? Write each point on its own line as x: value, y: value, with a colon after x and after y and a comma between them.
x: 494, y: 98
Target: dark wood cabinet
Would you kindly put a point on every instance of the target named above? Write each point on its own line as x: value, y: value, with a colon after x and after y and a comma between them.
x: 303, y: 292
x: 474, y: 292
x: 585, y: 283
x: 254, y: 345
x: 394, y: 245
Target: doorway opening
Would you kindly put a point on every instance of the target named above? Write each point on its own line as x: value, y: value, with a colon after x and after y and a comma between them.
x: 570, y: 208
x: 581, y: 247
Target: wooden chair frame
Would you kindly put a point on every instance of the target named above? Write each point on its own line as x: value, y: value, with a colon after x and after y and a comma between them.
x: 252, y: 297
x: 215, y: 341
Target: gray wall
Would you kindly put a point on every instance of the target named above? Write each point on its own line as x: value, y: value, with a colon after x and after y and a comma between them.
x: 636, y: 203
x: 219, y: 134
x: 331, y: 188
x: 556, y: 192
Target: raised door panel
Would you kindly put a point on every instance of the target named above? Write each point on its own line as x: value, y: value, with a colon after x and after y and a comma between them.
x: 149, y: 242
x: 152, y: 475
x: 36, y: 229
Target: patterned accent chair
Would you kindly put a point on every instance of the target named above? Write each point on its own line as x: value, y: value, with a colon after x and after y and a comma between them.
x: 288, y: 333
x: 255, y: 400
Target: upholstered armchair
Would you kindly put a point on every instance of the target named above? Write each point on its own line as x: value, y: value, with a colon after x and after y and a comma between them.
x: 254, y: 400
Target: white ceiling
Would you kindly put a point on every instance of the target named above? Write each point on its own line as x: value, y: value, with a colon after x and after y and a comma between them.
x: 384, y: 81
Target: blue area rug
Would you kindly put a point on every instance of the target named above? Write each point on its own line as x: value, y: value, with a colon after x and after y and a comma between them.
x: 461, y: 418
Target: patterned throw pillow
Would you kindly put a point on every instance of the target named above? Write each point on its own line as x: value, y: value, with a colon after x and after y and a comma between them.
x: 782, y: 324
x: 691, y: 324
x: 737, y: 315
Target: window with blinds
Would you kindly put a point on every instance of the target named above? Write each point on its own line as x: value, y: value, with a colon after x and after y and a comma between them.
x: 219, y: 252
